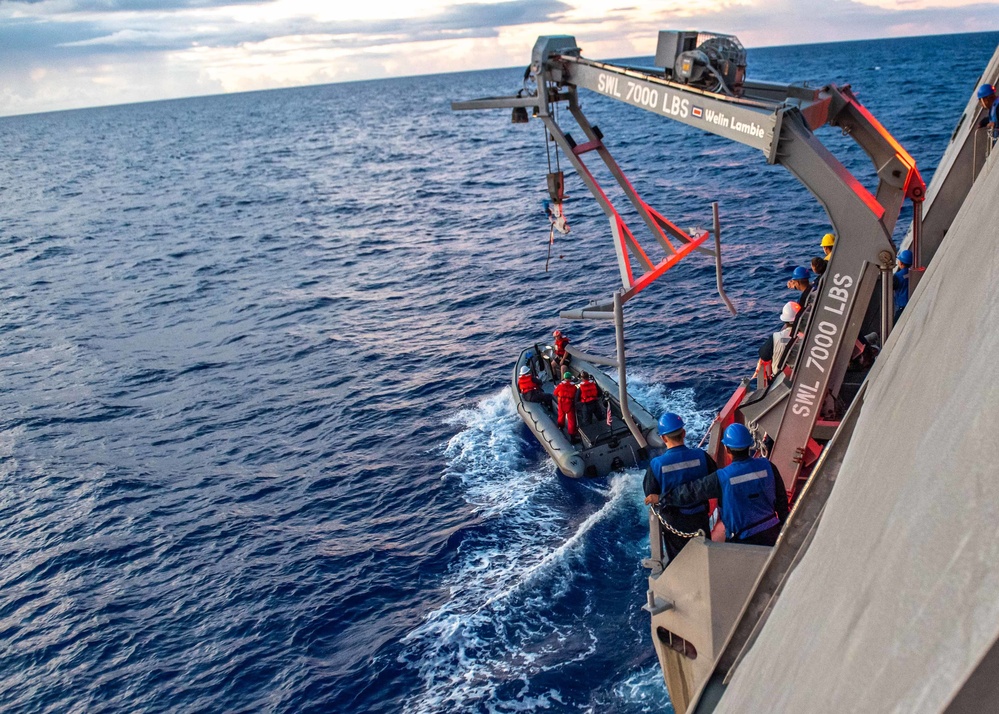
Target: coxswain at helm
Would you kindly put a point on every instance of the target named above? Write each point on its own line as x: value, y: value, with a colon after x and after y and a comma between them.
x: 678, y: 465
x: 750, y: 492
x: 565, y: 394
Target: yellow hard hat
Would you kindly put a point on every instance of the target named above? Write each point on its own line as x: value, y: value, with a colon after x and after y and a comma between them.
x: 828, y: 240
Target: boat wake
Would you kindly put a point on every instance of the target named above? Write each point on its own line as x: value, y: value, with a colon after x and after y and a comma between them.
x: 521, y: 607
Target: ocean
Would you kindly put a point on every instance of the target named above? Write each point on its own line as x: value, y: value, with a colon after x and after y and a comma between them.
x: 256, y: 447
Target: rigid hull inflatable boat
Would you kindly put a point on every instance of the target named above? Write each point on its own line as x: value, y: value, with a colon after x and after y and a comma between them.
x: 602, y: 447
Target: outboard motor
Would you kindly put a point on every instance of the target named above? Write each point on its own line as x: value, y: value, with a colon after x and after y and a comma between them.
x: 705, y: 60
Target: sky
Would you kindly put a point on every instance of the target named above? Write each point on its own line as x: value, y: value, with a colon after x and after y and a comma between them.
x: 64, y: 54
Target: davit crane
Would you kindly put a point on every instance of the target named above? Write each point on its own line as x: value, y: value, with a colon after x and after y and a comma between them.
x: 699, y: 80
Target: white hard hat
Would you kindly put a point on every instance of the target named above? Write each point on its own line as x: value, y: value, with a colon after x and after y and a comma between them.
x: 525, y: 370
x: 789, y: 312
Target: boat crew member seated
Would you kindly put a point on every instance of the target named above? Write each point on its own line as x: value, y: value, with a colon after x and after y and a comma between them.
x: 589, y: 401
x: 773, y: 349
x: 828, y: 242
x: 678, y: 465
x: 750, y: 493
x: 989, y: 102
x: 900, y: 282
x: 799, y: 281
x: 559, y: 359
x: 530, y: 388
x: 565, y: 394
x: 819, y: 268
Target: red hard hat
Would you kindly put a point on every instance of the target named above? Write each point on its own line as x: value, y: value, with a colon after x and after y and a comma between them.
x: 557, y: 333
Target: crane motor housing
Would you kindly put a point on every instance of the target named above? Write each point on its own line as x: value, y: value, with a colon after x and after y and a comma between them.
x: 705, y: 60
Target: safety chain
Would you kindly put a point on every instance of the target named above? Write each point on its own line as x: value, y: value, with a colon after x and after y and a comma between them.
x: 680, y: 534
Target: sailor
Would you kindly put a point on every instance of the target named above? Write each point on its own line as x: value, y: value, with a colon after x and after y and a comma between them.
x: 987, y: 98
x: 559, y: 358
x: 828, y: 241
x: 819, y: 266
x: 773, y: 349
x: 589, y: 403
x: 565, y: 393
x: 530, y: 387
x: 799, y: 281
x: 679, y: 464
x: 900, y: 282
x: 750, y: 492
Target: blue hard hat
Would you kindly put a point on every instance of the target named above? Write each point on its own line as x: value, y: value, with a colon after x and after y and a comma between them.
x: 905, y: 257
x: 799, y: 273
x: 737, y: 436
x: 669, y: 422
x: 986, y: 90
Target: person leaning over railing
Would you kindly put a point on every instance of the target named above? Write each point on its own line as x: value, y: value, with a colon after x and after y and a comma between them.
x: 987, y: 98
x: 678, y: 465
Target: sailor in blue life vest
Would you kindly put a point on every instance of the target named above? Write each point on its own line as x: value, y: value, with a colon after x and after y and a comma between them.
x: 799, y: 281
x: 750, y: 493
x: 900, y: 282
x: 678, y: 465
x: 987, y: 98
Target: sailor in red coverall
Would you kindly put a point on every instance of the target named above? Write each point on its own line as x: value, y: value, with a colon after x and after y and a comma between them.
x: 588, y: 403
x: 565, y: 393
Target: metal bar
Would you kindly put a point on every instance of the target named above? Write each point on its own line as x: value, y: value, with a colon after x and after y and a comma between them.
x: 595, y: 359
x: 750, y: 123
x: 622, y: 377
x: 917, y: 233
x: 663, y: 266
x: 655, y: 562
x: 622, y: 181
x: 496, y: 103
x: 586, y: 314
x: 623, y: 236
x: 716, y: 222
x: 857, y: 218
x: 887, y: 303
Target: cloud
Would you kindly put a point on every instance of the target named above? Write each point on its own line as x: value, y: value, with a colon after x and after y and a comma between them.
x: 157, y: 31
x: 50, y: 47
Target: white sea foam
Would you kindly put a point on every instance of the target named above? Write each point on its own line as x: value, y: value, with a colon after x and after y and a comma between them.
x: 644, y: 690
x: 481, y: 649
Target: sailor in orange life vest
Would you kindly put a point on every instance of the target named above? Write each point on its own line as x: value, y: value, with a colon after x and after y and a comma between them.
x: 773, y: 349
x: 530, y: 387
x: 559, y: 358
x: 678, y: 465
x: 750, y: 493
x: 589, y: 404
x: 565, y: 393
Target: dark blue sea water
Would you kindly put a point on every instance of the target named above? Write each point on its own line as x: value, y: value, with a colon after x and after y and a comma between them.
x: 256, y: 452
